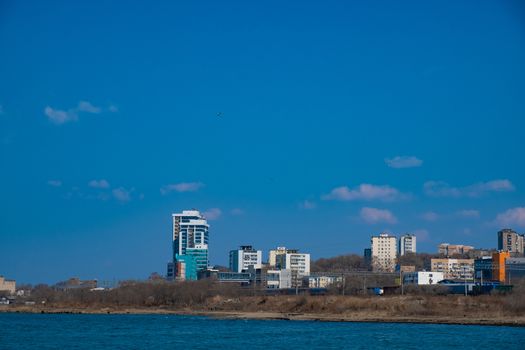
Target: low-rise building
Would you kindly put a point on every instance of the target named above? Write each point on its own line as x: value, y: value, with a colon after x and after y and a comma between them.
x: 76, y: 283
x: 185, y: 268
x: 454, y: 268
x: 322, y: 281
x: 423, y: 277
x: 278, y: 279
x: 483, y: 268
x: 514, y: 268
x: 453, y: 249
x: 8, y: 286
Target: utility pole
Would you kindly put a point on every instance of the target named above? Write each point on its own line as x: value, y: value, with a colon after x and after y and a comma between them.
x: 344, y: 282
x: 401, y: 281
x: 465, y: 278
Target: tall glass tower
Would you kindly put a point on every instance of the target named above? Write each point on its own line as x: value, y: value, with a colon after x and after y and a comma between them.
x: 190, y: 240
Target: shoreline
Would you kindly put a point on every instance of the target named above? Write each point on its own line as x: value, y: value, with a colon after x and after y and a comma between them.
x: 357, y: 317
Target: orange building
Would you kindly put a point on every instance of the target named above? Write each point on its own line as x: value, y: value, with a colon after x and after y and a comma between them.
x: 498, y: 265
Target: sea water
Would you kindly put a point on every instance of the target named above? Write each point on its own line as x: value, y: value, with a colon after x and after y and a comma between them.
x: 68, y: 331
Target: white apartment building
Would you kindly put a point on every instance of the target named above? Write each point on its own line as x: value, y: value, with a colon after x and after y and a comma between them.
x: 384, y: 251
x: 242, y: 259
x: 407, y: 244
x: 423, y: 277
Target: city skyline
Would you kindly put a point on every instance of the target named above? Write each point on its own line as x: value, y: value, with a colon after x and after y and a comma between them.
x: 332, y: 124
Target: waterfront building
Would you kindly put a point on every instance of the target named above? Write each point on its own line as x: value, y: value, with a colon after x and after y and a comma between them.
x: 407, y: 244
x: 454, y: 268
x: 8, y: 286
x: 510, y: 241
x: 423, y: 277
x: 297, y: 263
x: 190, y: 235
x: 447, y: 249
x: 383, y: 251
x: 241, y: 259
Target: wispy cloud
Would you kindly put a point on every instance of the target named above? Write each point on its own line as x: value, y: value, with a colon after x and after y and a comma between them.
x: 365, y: 192
x: 85, y: 106
x: 306, y: 204
x: 54, y: 183
x: 59, y: 116
x: 237, y: 211
x: 400, y: 162
x: 113, y: 108
x: 468, y: 213
x: 121, y: 194
x: 374, y: 215
x: 512, y: 217
x: 212, y: 214
x: 181, y: 187
x: 99, y: 183
x: 430, y: 216
x: 443, y: 189
x: 1, y: 109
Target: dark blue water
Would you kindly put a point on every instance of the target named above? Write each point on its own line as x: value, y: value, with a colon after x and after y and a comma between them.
x: 27, y: 331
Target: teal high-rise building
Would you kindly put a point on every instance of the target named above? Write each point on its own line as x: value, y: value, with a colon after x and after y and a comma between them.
x: 190, y: 236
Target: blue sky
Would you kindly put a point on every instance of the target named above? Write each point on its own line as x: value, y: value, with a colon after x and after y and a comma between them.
x: 308, y: 124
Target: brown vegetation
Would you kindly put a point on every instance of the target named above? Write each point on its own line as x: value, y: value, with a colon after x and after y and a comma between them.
x: 423, y: 304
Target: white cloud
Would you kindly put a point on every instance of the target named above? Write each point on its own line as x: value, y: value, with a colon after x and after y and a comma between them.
x: 113, y: 108
x: 85, y: 106
x: 443, y: 189
x: 468, y: 213
x: 364, y: 192
x: 98, y: 183
x: 512, y: 217
x: 54, y: 183
x: 430, y: 216
x: 121, y: 194
x: 181, y: 187
x: 212, y: 214
x: 306, y: 204
x: 403, y: 162
x: 237, y: 211
x: 59, y: 116
x: 374, y: 215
